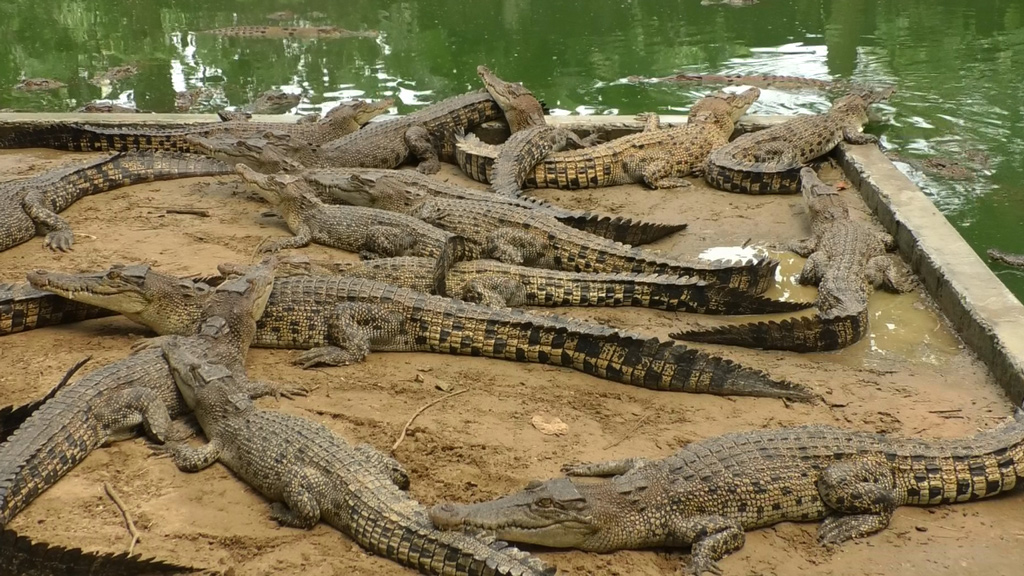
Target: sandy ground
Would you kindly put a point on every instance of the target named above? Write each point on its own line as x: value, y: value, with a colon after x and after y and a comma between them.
x: 911, y: 376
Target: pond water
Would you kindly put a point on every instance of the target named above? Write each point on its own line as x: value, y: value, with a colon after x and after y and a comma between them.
x: 958, y: 66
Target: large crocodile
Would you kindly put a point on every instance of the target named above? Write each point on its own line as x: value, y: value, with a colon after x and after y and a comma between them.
x: 769, y: 161
x: 658, y: 158
x: 505, y: 285
x: 516, y: 235
x: 340, y: 121
x: 22, y: 308
x: 312, y: 474
x: 1007, y: 258
x: 845, y: 259
x: 709, y: 493
x: 110, y: 403
x: 31, y: 204
x: 20, y: 556
x: 339, y: 320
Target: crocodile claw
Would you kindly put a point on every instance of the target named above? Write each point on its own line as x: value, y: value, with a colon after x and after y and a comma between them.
x: 59, y: 240
x: 329, y: 355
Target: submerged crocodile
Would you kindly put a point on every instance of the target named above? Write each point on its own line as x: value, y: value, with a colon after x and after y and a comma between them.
x: 312, y: 474
x: 709, y: 493
x: 657, y: 158
x: 845, y: 259
x: 502, y: 285
x: 112, y: 402
x: 339, y: 320
x: 1007, y: 258
x: 78, y: 137
x: 769, y: 161
x: 31, y: 204
x: 20, y: 555
x: 517, y: 235
x: 758, y: 80
x: 273, y: 101
x: 22, y: 308
x: 290, y: 32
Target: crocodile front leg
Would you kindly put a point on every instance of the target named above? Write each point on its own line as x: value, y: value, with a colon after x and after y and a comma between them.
x: 420, y: 145
x: 59, y: 235
x: 388, y: 241
x: 880, y: 271
x: 496, y: 291
x: 513, y: 246
x: 303, y: 236
x: 854, y: 136
x: 125, y: 410
x: 711, y: 538
x: 804, y: 247
x: 351, y: 329
x: 193, y: 458
x: 864, y: 496
x: 608, y: 468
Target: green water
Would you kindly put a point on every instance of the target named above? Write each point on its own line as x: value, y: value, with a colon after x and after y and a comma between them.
x: 958, y: 65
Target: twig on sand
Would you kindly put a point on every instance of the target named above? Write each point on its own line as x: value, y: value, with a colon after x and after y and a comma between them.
x: 635, y: 427
x: 181, y: 210
x: 420, y: 411
x: 124, y: 512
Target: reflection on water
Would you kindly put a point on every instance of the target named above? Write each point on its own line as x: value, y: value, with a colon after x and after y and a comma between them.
x: 957, y: 67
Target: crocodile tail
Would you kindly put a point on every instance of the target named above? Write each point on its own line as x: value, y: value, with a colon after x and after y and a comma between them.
x: 80, y: 138
x: 619, y: 229
x: 146, y: 166
x: 473, y: 164
x: 12, y: 417
x: 20, y: 555
x: 456, y: 249
x: 752, y: 277
x: 803, y: 334
x: 725, y: 300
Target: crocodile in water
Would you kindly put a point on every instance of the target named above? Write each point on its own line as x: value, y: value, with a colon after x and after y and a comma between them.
x: 342, y: 120
x: 312, y: 474
x: 845, y: 258
x: 111, y: 402
x: 32, y: 204
x: 290, y: 32
x: 1007, y: 258
x: 769, y: 161
x: 657, y: 158
x: 709, y: 493
x: 339, y: 320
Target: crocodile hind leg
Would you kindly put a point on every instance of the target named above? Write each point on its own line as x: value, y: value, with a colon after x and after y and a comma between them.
x: 418, y: 140
x: 496, y: 291
x: 804, y: 247
x: 658, y: 174
x: 123, y: 411
x: 813, y: 269
x: 387, y: 465
x: 882, y: 272
x: 351, y: 328
x: 863, y: 495
x: 388, y: 241
x: 711, y: 538
x: 608, y: 468
x: 300, y: 508
x: 651, y: 120
x: 59, y: 235
x: 517, y: 247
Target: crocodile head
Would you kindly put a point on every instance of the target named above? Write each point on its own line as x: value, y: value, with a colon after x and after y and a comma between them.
x: 723, y: 109
x: 385, y: 193
x: 274, y: 102
x: 521, y: 107
x: 361, y: 111
x: 211, y: 390
x: 167, y: 304
x: 559, y: 513
x: 274, y: 188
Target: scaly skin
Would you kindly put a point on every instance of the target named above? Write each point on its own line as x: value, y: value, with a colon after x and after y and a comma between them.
x: 769, y: 161
x: 504, y: 285
x: 520, y: 107
x: 1006, y: 257
x: 12, y: 417
x: 427, y: 135
x: 354, y: 185
x: 110, y: 403
x: 369, y: 231
x: 20, y: 555
x: 22, y: 308
x: 706, y: 495
x: 656, y: 158
x: 272, y: 101
x: 345, y: 119
x: 32, y: 203
x: 312, y: 474
x: 290, y: 32
x: 846, y: 259
x: 340, y: 320
x: 521, y: 153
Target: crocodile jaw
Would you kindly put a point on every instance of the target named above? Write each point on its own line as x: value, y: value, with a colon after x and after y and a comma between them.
x: 120, y: 294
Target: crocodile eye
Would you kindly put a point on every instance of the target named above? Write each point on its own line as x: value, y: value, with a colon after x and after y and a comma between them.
x: 113, y: 274
x: 545, y: 503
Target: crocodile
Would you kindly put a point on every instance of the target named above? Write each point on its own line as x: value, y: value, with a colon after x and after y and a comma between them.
x: 20, y: 555
x: 290, y: 32
x: 369, y: 231
x: 22, y: 308
x: 338, y: 320
x: 1007, y: 258
x: 31, y: 204
x: 312, y: 474
x: 427, y: 135
x: 356, y: 186
x: 769, y: 161
x: 34, y: 84
x: 710, y: 492
x: 503, y: 285
x: 273, y: 101
x: 518, y: 236
x: 845, y: 259
x: 657, y: 158
x: 101, y: 107
x: 78, y: 137
x: 111, y: 402
x: 114, y: 74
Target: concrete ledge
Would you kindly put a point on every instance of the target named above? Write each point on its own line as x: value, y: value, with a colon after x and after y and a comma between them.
x: 984, y: 312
